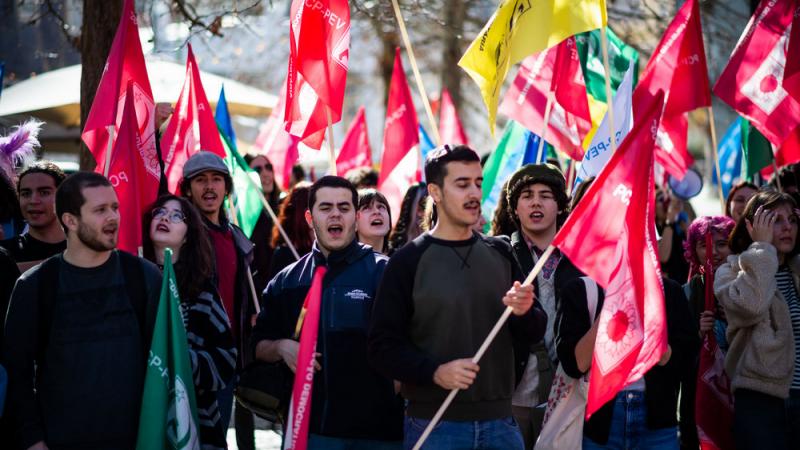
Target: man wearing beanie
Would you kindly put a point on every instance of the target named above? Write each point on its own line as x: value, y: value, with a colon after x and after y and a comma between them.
x: 206, y: 182
x: 537, y: 204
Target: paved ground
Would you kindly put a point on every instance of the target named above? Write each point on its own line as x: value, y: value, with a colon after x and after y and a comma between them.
x: 266, y: 439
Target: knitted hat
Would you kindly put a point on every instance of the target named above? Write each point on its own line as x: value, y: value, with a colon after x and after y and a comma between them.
x: 203, y: 161
x: 531, y: 174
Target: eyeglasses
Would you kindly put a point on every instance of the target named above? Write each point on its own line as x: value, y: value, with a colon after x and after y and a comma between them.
x: 267, y: 166
x: 172, y: 216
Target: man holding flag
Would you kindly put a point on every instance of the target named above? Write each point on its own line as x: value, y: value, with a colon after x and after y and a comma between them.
x: 439, y: 298
x: 338, y: 400
x: 83, y: 319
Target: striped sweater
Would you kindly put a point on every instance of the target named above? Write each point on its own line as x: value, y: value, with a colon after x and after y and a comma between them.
x: 213, y: 357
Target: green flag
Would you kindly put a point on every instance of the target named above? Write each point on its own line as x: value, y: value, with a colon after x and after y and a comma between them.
x: 168, y: 419
x: 246, y: 197
x: 756, y: 149
x: 620, y: 56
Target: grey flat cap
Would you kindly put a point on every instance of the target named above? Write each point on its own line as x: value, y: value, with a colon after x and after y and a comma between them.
x: 203, y: 161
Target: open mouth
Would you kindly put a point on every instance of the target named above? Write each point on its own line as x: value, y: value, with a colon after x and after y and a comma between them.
x: 377, y: 222
x: 110, y: 230
x: 162, y: 227
x: 335, y: 231
x: 472, y: 206
x: 536, y: 215
x: 209, y: 196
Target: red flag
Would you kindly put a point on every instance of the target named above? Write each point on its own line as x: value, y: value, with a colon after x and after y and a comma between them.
x: 526, y: 99
x: 400, y: 162
x: 450, y: 129
x: 713, y: 400
x: 135, y: 186
x: 678, y: 67
x: 791, y: 74
x: 125, y: 64
x: 317, y: 73
x: 277, y: 144
x: 355, y: 151
x: 191, y: 129
x: 610, y: 237
x: 752, y: 82
x: 297, y: 423
x: 789, y: 151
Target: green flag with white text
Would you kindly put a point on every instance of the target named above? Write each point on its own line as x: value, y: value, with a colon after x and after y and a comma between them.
x: 246, y: 197
x: 756, y: 151
x: 168, y: 418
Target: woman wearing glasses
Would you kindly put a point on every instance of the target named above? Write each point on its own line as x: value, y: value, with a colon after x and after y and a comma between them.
x: 262, y: 233
x: 173, y: 222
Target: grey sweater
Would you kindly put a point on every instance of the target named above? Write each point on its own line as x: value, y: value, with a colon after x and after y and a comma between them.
x: 761, y: 352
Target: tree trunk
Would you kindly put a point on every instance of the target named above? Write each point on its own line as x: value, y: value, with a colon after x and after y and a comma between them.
x: 455, y: 12
x: 100, y: 20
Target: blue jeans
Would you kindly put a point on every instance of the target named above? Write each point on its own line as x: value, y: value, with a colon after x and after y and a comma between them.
x: 629, y: 427
x: 498, y: 434
x: 317, y: 442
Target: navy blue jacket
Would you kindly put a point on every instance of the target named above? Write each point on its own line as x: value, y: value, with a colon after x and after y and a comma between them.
x: 350, y: 399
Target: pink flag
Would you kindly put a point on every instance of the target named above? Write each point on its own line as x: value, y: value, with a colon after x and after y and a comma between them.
x: 136, y: 188
x: 125, y: 64
x: 526, y: 99
x: 450, y: 129
x: 713, y: 400
x: 191, y: 128
x: 610, y: 238
x: 400, y: 164
x: 300, y: 407
x: 317, y: 72
x: 678, y: 67
x: 277, y: 144
x: 752, y: 82
x: 355, y: 151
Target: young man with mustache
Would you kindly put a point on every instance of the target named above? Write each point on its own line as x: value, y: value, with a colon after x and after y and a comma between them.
x: 206, y: 182
x: 440, y: 296
x: 538, y: 206
x: 353, y: 406
x: 78, y: 331
x: 36, y: 190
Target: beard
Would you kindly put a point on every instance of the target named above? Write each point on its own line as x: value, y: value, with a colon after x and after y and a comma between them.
x: 92, y: 239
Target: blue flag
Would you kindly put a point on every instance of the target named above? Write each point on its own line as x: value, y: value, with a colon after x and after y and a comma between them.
x: 730, y: 157
x: 223, y: 118
x: 425, y: 143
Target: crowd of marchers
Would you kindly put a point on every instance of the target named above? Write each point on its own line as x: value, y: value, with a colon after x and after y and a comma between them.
x: 403, y: 309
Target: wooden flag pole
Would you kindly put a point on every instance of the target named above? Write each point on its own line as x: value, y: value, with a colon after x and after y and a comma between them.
x: 331, y: 151
x: 609, y: 94
x: 421, y: 87
x: 713, y: 129
x: 271, y: 213
x: 492, y: 334
x: 547, y: 110
x: 111, y: 129
x: 775, y: 172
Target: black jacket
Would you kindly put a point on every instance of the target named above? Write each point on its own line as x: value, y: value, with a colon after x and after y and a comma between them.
x: 662, y: 383
x: 350, y: 399
x: 565, y: 272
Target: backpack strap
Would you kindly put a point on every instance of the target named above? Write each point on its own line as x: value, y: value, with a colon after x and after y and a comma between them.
x: 591, y: 297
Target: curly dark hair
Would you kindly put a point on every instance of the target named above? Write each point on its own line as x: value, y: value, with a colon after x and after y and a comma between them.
x: 196, y: 266
x: 740, y: 238
x: 407, y: 216
x: 292, y: 218
x: 503, y: 224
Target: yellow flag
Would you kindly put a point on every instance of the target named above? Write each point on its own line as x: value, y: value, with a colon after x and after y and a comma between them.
x: 520, y: 28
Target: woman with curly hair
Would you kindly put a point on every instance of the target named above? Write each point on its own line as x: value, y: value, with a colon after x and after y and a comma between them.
x: 292, y: 217
x: 703, y: 321
x: 409, y: 222
x: 172, y: 222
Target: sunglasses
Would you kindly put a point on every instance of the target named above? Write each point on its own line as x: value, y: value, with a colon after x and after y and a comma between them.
x: 258, y: 169
x: 172, y: 216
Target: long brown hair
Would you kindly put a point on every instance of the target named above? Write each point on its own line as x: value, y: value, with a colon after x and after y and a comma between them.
x: 196, y: 266
x: 292, y: 217
x: 740, y: 238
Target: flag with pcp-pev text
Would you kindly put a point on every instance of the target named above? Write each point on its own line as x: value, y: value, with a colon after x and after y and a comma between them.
x: 519, y: 29
x: 168, y: 419
x: 610, y: 237
x: 319, y: 37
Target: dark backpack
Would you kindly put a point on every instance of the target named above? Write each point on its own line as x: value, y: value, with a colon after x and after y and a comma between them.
x: 133, y: 274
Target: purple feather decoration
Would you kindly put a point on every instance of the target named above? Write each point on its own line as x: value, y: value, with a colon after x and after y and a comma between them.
x: 20, y: 146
